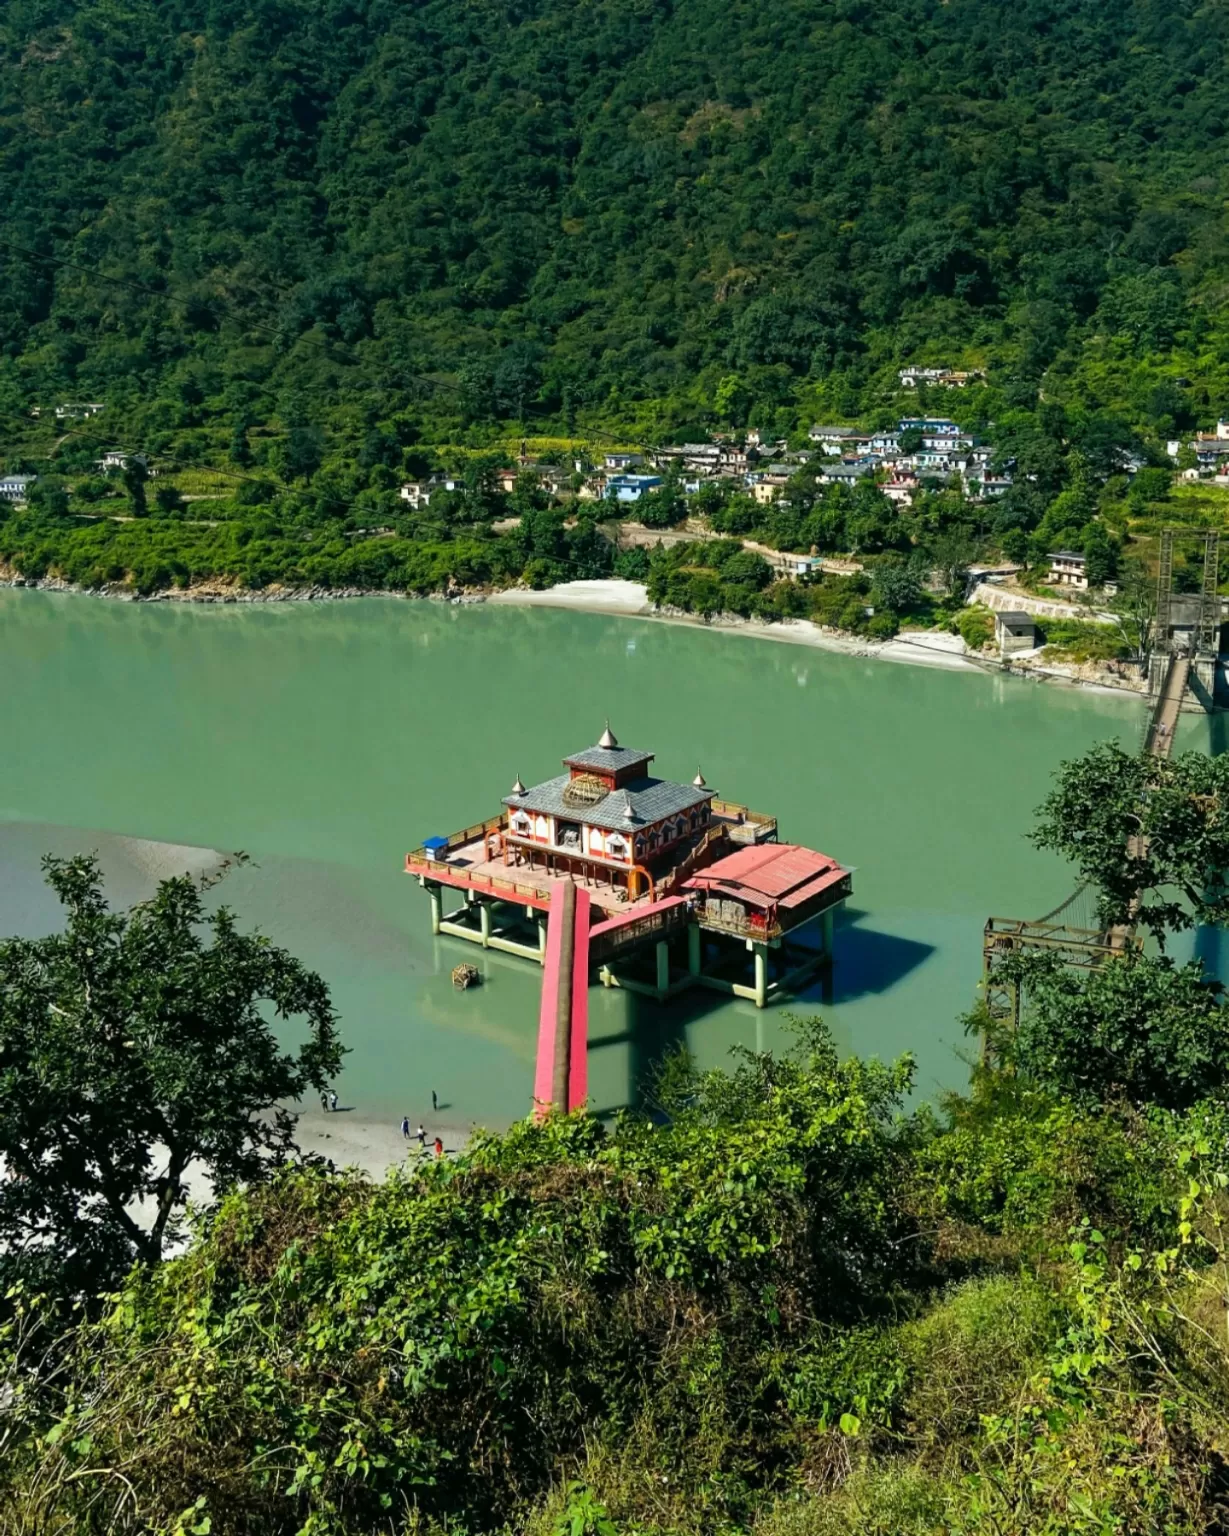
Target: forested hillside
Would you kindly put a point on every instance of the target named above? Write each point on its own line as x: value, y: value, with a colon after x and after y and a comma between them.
x: 266, y: 212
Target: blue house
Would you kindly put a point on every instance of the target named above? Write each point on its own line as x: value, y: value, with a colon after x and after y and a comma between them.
x: 630, y: 487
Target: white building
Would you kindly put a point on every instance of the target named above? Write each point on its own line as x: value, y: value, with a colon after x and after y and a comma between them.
x: 15, y: 488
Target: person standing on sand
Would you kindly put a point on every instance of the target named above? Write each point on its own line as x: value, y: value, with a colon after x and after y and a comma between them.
x: 421, y: 1137
x: 324, y: 1102
x: 333, y: 1101
x: 405, y: 1127
x: 439, y: 1147
x: 435, y: 1103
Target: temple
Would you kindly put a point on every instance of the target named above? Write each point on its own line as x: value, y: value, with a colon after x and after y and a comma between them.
x: 660, y: 885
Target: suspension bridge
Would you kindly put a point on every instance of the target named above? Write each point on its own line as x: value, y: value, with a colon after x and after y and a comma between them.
x: 1182, y: 662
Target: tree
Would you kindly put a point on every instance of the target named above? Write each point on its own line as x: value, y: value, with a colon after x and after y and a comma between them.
x: 1152, y: 834
x: 135, y: 1047
x: 135, y: 476
x: 1134, y: 606
x: 896, y: 585
x: 49, y: 497
x: 951, y: 555
x: 168, y: 499
x: 1139, y: 1028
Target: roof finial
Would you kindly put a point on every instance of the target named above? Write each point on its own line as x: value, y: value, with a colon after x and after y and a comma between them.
x: 629, y: 813
x: 607, y: 738
x: 518, y: 788
x: 699, y: 780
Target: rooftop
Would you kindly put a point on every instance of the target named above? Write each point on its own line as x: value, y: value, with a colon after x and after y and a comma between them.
x: 608, y: 758
x: 1016, y: 619
x: 639, y: 803
x: 784, y: 873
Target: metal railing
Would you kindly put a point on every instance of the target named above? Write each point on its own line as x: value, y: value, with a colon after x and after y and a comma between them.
x: 732, y: 811
x: 610, y: 939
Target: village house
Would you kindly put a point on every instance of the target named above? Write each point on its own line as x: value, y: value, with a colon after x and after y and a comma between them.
x: 699, y: 458
x: 76, y: 412
x: 986, y: 487
x: 551, y: 477
x: 835, y: 441
x: 797, y: 567
x: 901, y: 488
x: 1068, y: 569
x: 116, y: 458
x: 419, y: 492
x: 1210, y: 450
x: 845, y: 474
x: 622, y: 463
x: 630, y: 487
x: 15, y: 488
x: 912, y: 377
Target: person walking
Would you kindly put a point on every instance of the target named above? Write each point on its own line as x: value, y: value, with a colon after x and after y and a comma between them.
x: 439, y: 1147
x: 421, y: 1137
x: 435, y: 1103
x: 333, y: 1101
x: 405, y: 1127
x: 324, y: 1102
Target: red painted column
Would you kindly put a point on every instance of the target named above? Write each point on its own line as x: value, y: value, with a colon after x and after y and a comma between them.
x: 562, y: 1069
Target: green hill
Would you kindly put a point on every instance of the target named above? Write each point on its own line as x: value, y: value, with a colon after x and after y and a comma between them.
x: 316, y: 247
x: 574, y: 207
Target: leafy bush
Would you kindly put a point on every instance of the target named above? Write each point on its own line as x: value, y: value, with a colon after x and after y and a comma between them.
x: 975, y: 626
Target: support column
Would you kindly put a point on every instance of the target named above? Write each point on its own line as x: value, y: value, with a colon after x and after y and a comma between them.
x: 563, y: 999
x: 694, y: 948
x: 761, y: 974
x: 827, y: 932
x: 542, y: 938
x: 437, y: 907
x: 663, y: 967
x: 484, y: 923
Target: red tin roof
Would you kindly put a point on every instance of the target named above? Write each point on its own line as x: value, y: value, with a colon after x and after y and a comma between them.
x: 770, y: 872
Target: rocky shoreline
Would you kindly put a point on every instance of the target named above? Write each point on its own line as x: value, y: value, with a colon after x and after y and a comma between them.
x: 215, y: 592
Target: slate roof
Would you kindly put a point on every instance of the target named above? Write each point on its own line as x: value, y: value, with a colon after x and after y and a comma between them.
x: 1016, y: 619
x: 608, y: 759
x: 651, y: 800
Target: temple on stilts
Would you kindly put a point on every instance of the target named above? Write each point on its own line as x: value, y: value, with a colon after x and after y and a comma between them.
x: 609, y: 873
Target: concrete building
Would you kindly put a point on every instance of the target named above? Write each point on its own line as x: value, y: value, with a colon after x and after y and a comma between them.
x: 630, y: 487
x: 15, y: 488
x: 1068, y: 568
x: 1015, y: 632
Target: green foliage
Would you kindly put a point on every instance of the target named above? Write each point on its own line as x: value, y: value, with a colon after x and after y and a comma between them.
x: 1082, y: 640
x: 975, y: 626
x: 330, y: 1351
x: 1106, y: 799
x: 133, y: 1047
x: 1141, y: 1028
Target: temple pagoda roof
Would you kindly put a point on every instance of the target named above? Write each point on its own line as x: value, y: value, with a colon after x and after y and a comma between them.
x: 612, y: 759
x: 648, y: 799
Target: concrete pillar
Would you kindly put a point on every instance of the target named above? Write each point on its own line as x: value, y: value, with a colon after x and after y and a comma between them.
x: 566, y: 917
x: 437, y: 907
x: 541, y: 936
x: 827, y: 932
x: 694, y: 948
x: 484, y: 923
x: 663, y: 966
x: 761, y: 974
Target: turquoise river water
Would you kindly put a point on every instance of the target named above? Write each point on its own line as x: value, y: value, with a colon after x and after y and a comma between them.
x: 326, y: 739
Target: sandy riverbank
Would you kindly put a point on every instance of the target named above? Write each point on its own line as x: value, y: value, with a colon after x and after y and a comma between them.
x: 352, y: 1138
x: 629, y: 599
